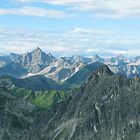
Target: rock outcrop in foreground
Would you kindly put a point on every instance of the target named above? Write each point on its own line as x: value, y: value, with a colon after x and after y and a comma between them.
x: 107, y: 107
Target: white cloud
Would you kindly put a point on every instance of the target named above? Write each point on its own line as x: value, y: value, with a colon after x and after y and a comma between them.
x: 129, y: 52
x: 34, y: 11
x: 98, y: 8
x: 78, y: 41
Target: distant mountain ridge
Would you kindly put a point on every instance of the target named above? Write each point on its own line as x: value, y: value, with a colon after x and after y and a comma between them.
x: 40, y: 82
x: 61, y: 69
x: 82, y: 75
x: 35, y: 83
x: 32, y: 62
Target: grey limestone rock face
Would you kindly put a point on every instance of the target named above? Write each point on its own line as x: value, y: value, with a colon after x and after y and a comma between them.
x: 60, y: 69
x: 107, y: 107
x: 31, y: 62
x: 36, y: 60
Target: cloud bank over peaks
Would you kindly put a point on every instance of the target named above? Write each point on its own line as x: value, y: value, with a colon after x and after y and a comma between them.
x: 77, y: 41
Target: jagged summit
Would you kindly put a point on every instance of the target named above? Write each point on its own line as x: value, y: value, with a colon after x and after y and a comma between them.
x: 97, y: 58
x: 62, y: 68
x: 37, y: 60
x: 38, y: 50
x: 32, y: 62
x: 104, y: 70
x: 101, y: 73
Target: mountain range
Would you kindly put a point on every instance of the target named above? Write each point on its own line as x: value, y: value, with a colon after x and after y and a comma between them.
x: 60, y: 69
x: 40, y: 82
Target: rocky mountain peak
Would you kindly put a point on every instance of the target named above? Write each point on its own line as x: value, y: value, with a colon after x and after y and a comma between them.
x: 97, y: 58
x: 105, y: 71
x: 102, y: 72
x: 37, y: 52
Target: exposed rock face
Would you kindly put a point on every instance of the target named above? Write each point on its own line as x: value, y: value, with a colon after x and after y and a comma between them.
x: 129, y: 70
x: 17, y: 117
x: 70, y: 65
x: 107, y: 107
x: 32, y: 62
x: 62, y: 69
x: 38, y: 62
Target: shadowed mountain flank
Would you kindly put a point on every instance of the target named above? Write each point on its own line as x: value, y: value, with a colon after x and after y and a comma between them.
x: 106, y: 107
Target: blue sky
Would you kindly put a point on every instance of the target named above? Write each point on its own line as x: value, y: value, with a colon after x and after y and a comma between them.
x: 71, y: 27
